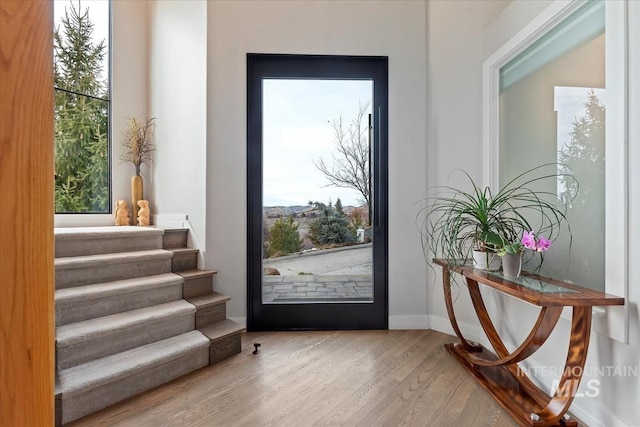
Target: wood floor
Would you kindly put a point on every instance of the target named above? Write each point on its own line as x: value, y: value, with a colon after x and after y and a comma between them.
x: 345, y: 378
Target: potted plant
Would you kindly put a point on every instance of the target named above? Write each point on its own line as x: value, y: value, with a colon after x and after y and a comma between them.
x: 511, y: 252
x: 137, y: 148
x: 456, y: 222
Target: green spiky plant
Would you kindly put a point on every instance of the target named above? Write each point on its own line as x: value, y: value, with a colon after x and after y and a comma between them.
x: 455, y: 221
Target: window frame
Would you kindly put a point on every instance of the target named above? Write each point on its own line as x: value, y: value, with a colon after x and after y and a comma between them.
x: 610, y: 321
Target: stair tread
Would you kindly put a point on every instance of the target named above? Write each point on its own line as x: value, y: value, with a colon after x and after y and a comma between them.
x: 90, y: 260
x: 207, y: 300
x: 222, y: 329
x: 98, y: 327
x: 189, y: 274
x: 183, y: 250
x: 110, y: 368
x: 73, y: 233
x: 117, y: 287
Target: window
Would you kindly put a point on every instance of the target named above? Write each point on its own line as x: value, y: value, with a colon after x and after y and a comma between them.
x: 557, y: 92
x: 82, y: 105
x: 552, y: 109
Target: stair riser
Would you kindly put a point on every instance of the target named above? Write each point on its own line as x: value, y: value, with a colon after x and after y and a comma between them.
x: 208, y: 315
x: 108, y: 272
x: 196, y: 286
x: 185, y: 261
x: 58, y: 409
x: 224, y: 348
x: 97, y: 246
x: 174, y: 239
x: 119, y: 340
x: 77, y: 310
x: 93, y: 400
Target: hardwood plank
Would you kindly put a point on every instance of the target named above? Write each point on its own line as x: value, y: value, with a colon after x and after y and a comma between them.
x: 26, y: 216
x: 316, y: 378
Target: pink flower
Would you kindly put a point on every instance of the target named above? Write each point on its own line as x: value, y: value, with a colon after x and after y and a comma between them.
x: 543, y: 244
x: 529, y: 240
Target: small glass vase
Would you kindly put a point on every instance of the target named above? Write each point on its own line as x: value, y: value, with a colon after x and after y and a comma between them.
x: 512, y: 265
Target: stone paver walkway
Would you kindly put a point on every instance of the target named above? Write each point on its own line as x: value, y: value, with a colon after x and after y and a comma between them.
x: 317, y: 288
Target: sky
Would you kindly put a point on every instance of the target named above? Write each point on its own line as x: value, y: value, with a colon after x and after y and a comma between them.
x: 296, y: 131
x: 98, y: 15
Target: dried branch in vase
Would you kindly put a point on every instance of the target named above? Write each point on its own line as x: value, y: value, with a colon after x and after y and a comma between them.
x: 137, y: 145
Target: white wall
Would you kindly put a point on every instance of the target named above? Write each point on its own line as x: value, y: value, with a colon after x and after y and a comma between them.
x: 455, y: 111
x: 178, y: 100
x: 128, y: 97
x: 454, y: 43
x: 393, y: 28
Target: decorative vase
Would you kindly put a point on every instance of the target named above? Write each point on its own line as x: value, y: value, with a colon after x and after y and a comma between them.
x: 136, y: 195
x: 512, y: 265
x: 485, y: 260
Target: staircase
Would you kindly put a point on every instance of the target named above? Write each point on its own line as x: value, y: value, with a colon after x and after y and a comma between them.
x: 132, y: 312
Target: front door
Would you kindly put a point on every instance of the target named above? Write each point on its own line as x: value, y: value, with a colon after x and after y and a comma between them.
x: 316, y: 192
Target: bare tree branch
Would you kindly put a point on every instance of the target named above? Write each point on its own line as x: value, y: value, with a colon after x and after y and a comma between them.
x: 350, y: 167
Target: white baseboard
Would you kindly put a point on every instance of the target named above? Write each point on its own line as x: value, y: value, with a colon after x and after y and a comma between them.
x: 470, y: 331
x: 170, y: 220
x: 593, y: 414
x: 408, y: 322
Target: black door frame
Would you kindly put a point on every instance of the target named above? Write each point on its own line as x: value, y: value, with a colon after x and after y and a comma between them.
x: 309, y: 316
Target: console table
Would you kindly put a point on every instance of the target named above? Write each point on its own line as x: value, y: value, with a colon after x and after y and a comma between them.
x: 499, y: 373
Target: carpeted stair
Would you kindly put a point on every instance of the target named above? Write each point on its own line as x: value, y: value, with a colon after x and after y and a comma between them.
x: 122, y: 325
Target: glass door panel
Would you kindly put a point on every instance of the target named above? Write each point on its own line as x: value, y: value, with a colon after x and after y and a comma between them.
x: 317, y: 242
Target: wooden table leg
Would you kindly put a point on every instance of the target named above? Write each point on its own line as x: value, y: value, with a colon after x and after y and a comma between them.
x: 446, y: 283
x: 574, y: 366
x: 546, y: 322
x: 501, y: 376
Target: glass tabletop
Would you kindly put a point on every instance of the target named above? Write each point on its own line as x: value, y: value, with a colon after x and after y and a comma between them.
x: 534, y: 284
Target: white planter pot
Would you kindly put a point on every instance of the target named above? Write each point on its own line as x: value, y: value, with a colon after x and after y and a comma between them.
x: 486, y: 260
x: 511, y: 265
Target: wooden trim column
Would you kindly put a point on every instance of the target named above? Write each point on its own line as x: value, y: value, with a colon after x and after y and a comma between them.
x: 26, y: 213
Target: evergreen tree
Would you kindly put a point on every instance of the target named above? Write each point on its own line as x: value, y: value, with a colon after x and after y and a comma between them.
x: 584, y: 155
x: 331, y: 227
x: 584, y: 159
x: 284, y: 238
x: 81, y: 117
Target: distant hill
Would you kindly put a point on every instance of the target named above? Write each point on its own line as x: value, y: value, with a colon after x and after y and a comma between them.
x: 274, y: 212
